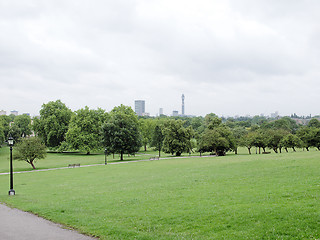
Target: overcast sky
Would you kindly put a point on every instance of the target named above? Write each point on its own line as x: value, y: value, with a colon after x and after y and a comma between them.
x: 228, y: 57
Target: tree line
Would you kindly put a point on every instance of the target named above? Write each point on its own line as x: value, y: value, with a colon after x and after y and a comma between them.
x: 120, y: 131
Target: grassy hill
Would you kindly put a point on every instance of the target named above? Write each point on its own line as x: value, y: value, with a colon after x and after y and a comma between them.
x: 274, y: 196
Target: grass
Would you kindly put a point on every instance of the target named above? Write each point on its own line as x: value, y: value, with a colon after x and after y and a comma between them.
x: 55, y: 160
x: 234, y: 197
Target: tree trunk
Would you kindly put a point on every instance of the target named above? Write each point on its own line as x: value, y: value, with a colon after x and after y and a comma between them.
x: 293, y: 149
x: 259, y: 150
x: 159, y: 152
x: 286, y: 149
x: 31, y: 162
x: 280, y: 149
x: 121, y: 156
x: 307, y: 149
x: 145, y: 147
x: 236, y: 151
x: 249, y: 150
x: 88, y: 153
x: 264, y: 149
x: 275, y: 150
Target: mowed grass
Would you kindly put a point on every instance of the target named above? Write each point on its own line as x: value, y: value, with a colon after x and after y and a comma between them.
x: 56, y: 160
x: 274, y: 196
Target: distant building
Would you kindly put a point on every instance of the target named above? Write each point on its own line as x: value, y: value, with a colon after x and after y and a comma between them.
x: 182, y: 97
x: 160, y: 111
x: 275, y: 114
x: 175, y: 113
x: 139, y: 107
x: 2, y: 112
x: 14, y: 112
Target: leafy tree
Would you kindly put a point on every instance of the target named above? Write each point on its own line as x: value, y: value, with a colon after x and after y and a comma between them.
x: 121, y: 131
x: 23, y: 122
x: 15, y: 132
x: 259, y: 140
x: 53, y: 123
x: 177, y: 138
x: 146, y: 127
x: 284, y: 123
x: 291, y: 141
x: 85, y: 129
x: 2, y: 136
x: 157, y: 138
x: 306, y: 135
x: 212, y: 120
x: 274, y: 137
x: 314, y: 123
x: 238, y: 133
x: 219, y: 140
x: 248, y: 140
x: 5, y: 123
x: 30, y: 150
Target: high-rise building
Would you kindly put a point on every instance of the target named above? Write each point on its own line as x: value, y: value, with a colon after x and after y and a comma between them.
x: 139, y: 107
x: 14, y: 112
x: 175, y: 113
x: 160, y: 111
x: 182, y: 104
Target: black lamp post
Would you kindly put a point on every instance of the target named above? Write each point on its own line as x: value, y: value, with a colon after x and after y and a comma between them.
x: 11, y: 191
x: 105, y: 156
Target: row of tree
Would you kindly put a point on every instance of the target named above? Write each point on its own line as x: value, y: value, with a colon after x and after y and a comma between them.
x: 121, y: 131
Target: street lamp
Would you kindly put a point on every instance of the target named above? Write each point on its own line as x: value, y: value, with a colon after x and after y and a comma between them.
x: 105, y: 156
x: 11, y: 191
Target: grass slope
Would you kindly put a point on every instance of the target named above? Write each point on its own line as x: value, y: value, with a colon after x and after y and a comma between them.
x: 233, y: 197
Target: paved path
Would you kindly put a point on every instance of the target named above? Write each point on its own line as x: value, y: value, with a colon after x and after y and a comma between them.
x: 19, y: 225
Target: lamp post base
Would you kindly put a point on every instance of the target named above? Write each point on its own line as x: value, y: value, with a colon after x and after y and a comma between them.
x: 12, y: 192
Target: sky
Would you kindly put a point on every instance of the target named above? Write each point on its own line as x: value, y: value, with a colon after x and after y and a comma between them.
x: 230, y: 57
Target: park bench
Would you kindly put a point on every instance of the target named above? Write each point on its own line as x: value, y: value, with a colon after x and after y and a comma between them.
x: 266, y: 152
x: 74, y: 165
x: 154, y: 158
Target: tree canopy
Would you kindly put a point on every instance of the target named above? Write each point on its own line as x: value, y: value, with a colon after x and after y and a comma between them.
x: 120, y: 133
x: 53, y: 123
x: 30, y: 150
x: 85, y: 128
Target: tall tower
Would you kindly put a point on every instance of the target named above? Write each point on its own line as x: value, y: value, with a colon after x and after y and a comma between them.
x: 182, y: 104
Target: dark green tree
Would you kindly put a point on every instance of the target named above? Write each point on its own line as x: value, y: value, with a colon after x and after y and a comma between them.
x: 84, y: 131
x: 291, y: 141
x: 274, y: 137
x: 177, y: 138
x: 30, y: 150
x: 146, y: 127
x: 314, y: 123
x: 121, y: 131
x: 23, y: 122
x: 53, y: 123
x: 157, y: 138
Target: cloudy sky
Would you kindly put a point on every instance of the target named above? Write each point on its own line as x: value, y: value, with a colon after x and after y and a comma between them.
x: 228, y: 57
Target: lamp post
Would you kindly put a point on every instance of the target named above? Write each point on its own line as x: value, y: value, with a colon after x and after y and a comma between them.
x: 11, y: 191
x: 105, y: 156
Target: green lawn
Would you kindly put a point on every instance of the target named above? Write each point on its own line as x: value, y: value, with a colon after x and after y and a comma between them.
x: 274, y: 196
x: 54, y: 160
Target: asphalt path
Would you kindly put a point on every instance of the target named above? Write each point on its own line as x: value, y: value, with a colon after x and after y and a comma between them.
x: 19, y: 225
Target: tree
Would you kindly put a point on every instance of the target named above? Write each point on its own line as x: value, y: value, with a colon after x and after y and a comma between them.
x: 121, y: 132
x: 314, y: 123
x: 157, y: 138
x: 23, y: 122
x: 5, y: 123
x: 248, y: 140
x: 291, y: 141
x: 30, y: 150
x: 238, y: 133
x: 274, y: 137
x: 85, y: 129
x: 53, y: 123
x: 2, y: 136
x: 177, y: 138
x: 146, y: 127
x: 218, y: 140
